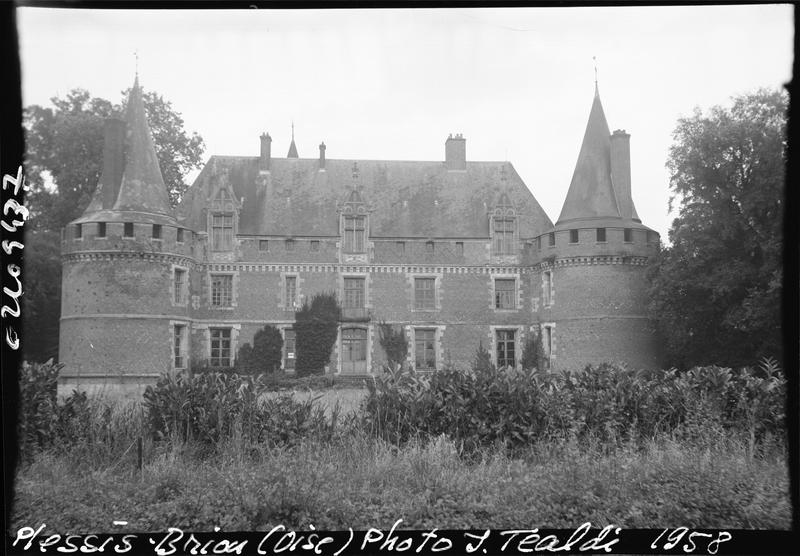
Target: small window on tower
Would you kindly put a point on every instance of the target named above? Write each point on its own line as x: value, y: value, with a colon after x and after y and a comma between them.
x: 601, y: 235
x: 127, y: 229
x: 156, y: 231
x: 179, y: 235
x: 628, y: 235
x: 459, y: 248
x: 263, y: 245
x: 573, y: 236
x: 289, y: 245
x: 101, y: 229
x: 78, y: 231
x: 401, y: 247
x: 552, y: 239
x: 429, y: 247
x: 314, y: 245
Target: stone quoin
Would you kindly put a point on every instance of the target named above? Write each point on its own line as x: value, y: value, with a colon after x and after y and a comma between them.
x: 456, y: 253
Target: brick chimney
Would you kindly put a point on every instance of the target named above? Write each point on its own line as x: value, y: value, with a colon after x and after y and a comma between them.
x: 113, y: 160
x: 455, y: 153
x: 621, y: 171
x: 266, y: 154
x: 322, y: 155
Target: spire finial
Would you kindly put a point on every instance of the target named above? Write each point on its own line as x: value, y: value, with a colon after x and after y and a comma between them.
x: 596, y: 91
x: 136, y: 57
x: 292, y: 130
x: 355, y: 173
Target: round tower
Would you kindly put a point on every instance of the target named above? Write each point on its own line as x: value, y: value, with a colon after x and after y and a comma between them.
x: 126, y: 265
x: 593, y: 262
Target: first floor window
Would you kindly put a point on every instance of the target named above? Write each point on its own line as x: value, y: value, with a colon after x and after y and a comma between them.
x: 506, y: 356
x: 221, y: 290
x: 425, y: 349
x: 547, y: 285
x: 354, y: 293
x: 291, y: 292
x: 505, y: 293
x: 179, y: 344
x: 220, y: 347
x: 179, y: 290
x: 425, y: 294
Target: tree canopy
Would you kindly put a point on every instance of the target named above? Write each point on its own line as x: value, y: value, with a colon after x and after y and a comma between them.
x: 716, y: 291
x: 64, y: 152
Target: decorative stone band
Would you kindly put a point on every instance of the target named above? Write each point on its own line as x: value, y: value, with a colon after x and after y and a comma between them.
x: 171, y: 258
x: 597, y: 260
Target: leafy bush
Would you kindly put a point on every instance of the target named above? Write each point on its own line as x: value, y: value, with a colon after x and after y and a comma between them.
x: 316, y: 326
x: 394, y: 344
x: 533, y: 353
x: 265, y: 355
x: 38, y: 405
x: 483, y: 361
x: 211, y: 408
x: 609, y: 403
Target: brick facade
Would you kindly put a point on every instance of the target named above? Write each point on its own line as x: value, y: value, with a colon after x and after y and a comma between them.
x: 430, y: 260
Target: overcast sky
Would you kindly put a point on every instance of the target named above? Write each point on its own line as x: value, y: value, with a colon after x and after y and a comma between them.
x: 392, y: 84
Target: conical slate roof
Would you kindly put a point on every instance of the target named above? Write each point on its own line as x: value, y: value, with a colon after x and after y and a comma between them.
x: 591, y: 192
x: 142, y: 188
x: 292, y: 150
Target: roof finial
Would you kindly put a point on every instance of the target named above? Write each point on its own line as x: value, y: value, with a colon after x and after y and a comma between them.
x: 596, y: 91
x: 355, y: 173
x: 136, y: 57
x: 292, y: 130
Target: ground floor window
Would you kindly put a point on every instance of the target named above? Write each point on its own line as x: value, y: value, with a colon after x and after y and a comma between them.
x: 220, y: 347
x: 425, y: 349
x: 179, y: 346
x: 289, y: 338
x: 547, y: 345
x: 506, y: 348
x: 354, y: 350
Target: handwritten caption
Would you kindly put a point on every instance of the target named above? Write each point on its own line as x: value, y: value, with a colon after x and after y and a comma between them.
x: 13, y: 204
x: 279, y: 539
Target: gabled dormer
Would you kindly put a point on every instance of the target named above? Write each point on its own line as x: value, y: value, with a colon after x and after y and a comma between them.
x: 353, y: 215
x: 503, y: 223
x: 223, y: 218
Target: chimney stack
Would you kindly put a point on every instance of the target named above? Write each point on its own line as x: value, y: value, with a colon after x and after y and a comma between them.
x: 113, y: 160
x: 322, y: 155
x: 455, y: 153
x: 266, y: 154
x: 621, y: 171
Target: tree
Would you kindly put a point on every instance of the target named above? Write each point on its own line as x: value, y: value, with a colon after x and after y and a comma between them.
x: 265, y: 355
x: 64, y: 152
x: 716, y: 292
x: 394, y: 344
x: 483, y: 360
x: 316, y: 327
x: 41, y: 302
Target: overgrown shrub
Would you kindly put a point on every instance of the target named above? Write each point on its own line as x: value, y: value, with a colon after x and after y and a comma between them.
x: 533, y: 353
x: 38, y: 405
x: 611, y: 403
x: 394, y: 344
x: 210, y: 408
x: 316, y: 326
x: 483, y: 360
x: 265, y: 355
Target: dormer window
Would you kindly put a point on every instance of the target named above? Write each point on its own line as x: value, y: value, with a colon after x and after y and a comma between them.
x: 354, y: 231
x: 504, y: 231
x: 222, y: 221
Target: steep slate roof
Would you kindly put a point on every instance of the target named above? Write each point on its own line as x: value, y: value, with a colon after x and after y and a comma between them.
x: 591, y: 192
x: 406, y: 198
x: 142, y: 195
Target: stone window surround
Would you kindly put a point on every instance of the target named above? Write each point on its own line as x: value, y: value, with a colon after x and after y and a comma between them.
x: 340, y: 287
x: 517, y: 289
x: 551, y: 297
x: 298, y: 297
x: 206, y: 329
x: 410, y: 331
x: 234, y: 289
x: 518, y: 341
x: 552, y: 327
x: 186, y: 288
x: 185, y: 340
x: 411, y: 278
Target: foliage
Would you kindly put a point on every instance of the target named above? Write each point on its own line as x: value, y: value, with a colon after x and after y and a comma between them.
x: 533, y: 353
x: 209, y: 408
x: 266, y: 353
x: 316, y: 327
x: 515, y: 408
x: 716, y: 292
x: 41, y: 304
x: 64, y: 143
x: 483, y: 360
x: 394, y: 344
x: 38, y: 405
